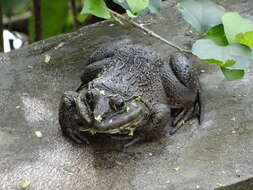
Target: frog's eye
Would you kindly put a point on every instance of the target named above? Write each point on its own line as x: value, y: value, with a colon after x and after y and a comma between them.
x: 117, y: 103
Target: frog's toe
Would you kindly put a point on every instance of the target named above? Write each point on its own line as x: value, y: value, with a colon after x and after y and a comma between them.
x: 177, y: 122
x: 133, y: 141
x: 199, y: 107
x: 76, y: 136
x: 121, y: 137
x: 174, y: 130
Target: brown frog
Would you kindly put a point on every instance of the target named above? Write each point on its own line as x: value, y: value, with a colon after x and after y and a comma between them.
x: 128, y: 90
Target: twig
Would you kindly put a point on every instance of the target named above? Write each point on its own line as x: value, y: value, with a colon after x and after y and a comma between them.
x: 149, y: 32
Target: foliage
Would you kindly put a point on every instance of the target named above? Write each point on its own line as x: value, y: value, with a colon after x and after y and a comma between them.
x: 234, y: 24
x: 54, y: 17
x: 152, y: 7
x: 217, y: 34
x: 97, y: 8
x: 137, y: 6
x: 11, y: 7
x: 133, y: 7
x: 228, y: 36
x: 202, y: 15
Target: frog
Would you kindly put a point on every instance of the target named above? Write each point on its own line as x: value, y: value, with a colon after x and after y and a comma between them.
x: 127, y: 90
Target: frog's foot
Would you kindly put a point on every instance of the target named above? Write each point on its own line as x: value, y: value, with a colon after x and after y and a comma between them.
x: 177, y: 122
x: 76, y: 136
x: 121, y: 137
x: 133, y: 141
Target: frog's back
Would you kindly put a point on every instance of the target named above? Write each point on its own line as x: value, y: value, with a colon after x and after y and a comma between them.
x: 134, y: 71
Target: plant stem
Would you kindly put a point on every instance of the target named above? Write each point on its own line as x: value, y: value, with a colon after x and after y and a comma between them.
x: 148, y: 31
x: 1, y: 27
x: 37, y: 19
x: 74, y: 13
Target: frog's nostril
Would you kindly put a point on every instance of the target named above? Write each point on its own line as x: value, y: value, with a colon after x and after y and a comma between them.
x: 89, y: 97
x: 117, y: 103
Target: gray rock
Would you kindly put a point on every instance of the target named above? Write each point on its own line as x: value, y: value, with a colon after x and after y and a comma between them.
x: 204, y: 156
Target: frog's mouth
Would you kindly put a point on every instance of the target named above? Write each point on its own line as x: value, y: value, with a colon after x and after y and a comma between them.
x: 135, y: 115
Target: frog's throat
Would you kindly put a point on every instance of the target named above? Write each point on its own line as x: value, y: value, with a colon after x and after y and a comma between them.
x: 127, y: 128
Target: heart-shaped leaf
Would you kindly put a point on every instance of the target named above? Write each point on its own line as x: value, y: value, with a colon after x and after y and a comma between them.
x: 153, y: 7
x: 234, y: 24
x: 232, y: 74
x: 97, y: 8
x: 137, y: 6
x: 217, y: 34
x: 245, y: 38
x: 202, y: 15
x: 223, y: 55
x: 130, y: 14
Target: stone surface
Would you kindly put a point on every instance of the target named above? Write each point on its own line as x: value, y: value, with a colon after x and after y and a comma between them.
x: 242, y: 185
x: 197, y: 157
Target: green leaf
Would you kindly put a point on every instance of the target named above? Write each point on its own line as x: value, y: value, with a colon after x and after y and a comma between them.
x: 130, y: 14
x: 154, y: 7
x: 234, y: 24
x: 228, y: 63
x: 54, y: 16
x: 122, y: 3
x: 11, y: 7
x: 232, y: 74
x: 97, y: 8
x: 202, y: 15
x: 209, y: 51
x: 53, y: 12
x: 137, y: 6
x: 217, y: 34
x: 245, y: 38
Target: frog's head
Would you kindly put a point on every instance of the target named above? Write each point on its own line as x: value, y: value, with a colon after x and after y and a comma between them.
x: 108, y: 112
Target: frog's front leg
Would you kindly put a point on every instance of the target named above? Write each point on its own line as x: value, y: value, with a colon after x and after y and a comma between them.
x: 69, y: 118
x: 158, y: 118
x: 181, y: 84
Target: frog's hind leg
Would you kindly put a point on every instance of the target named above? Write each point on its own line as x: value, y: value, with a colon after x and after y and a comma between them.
x: 182, y: 87
x: 185, y: 71
x: 181, y: 118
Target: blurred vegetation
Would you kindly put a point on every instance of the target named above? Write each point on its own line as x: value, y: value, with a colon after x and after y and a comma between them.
x: 56, y: 16
x: 227, y: 38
